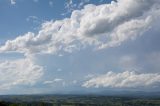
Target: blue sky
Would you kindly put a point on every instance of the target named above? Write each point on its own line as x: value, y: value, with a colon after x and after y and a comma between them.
x: 56, y: 46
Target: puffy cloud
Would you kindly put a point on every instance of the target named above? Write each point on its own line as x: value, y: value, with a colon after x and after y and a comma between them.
x: 19, y: 72
x: 102, y: 26
x: 126, y: 31
x: 125, y: 79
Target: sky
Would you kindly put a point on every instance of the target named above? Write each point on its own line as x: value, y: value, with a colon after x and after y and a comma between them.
x: 66, y: 46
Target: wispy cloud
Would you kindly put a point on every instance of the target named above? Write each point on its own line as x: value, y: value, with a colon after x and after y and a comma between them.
x: 56, y: 80
x: 36, y: 1
x: 13, y: 2
x: 51, y: 3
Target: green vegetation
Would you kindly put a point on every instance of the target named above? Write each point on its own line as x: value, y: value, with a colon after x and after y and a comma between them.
x: 66, y: 100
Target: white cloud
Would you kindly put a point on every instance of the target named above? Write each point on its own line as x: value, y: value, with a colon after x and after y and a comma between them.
x: 125, y: 79
x: 89, y: 76
x: 82, y: 3
x: 13, y: 2
x: 57, y: 80
x: 53, y: 81
x: 102, y: 26
x: 19, y: 72
x: 69, y: 5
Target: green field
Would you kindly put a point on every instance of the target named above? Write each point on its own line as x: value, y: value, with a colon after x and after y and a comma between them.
x: 75, y: 100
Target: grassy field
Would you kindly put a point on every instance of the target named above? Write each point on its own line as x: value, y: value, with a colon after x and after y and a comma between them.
x: 74, y: 100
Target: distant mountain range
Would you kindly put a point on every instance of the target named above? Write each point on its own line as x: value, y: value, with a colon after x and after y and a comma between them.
x: 120, y: 93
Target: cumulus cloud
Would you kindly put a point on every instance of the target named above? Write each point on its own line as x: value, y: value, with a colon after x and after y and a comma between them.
x: 125, y: 79
x: 19, y: 72
x: 101, y: 26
